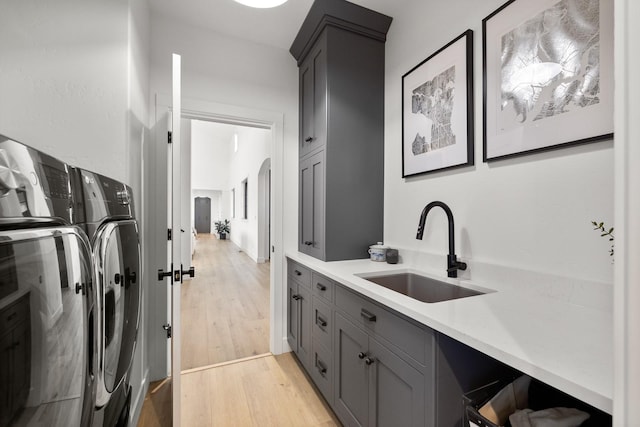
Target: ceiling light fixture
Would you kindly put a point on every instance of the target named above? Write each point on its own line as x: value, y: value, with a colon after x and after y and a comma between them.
x: 262, y: 4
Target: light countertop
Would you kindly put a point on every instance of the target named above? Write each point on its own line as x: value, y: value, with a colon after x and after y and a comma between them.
x: 563, y: 344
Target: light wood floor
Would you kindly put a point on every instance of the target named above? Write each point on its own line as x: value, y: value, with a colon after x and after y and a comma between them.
x: 225, y: 308
x: 262, y: 391
x: 265, y: 391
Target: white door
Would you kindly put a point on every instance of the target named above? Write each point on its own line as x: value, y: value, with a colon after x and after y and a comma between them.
x: 175, y: 242
x: 174, y: 270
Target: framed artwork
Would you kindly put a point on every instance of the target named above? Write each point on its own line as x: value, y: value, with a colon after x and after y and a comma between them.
x: 547, y: 76
x: 437, y: 110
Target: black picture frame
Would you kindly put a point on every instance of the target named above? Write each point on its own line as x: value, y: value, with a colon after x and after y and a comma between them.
x: 519, y: 119
x: 428, y: 145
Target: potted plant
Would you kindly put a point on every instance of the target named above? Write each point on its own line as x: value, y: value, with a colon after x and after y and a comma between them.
x: 223, y: 228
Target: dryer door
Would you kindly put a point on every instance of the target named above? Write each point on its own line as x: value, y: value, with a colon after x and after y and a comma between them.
x: 117, y: 269
x: 46, y: 335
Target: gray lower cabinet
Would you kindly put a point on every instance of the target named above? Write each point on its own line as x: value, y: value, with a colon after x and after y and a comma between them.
x: 371, y: 371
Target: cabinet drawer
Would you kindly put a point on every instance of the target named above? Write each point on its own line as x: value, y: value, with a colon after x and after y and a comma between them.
x: 322, y: 323
x: 299, y: 273
x: 322, y: 370
x: 322, y: 287
x: 407, y: 336
x: 13, y: 314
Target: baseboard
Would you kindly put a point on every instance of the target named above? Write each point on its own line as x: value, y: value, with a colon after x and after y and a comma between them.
x: 285, y: 346
x: 138, y: 401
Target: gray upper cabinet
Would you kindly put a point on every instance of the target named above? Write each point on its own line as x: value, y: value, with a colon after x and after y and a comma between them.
x: 340, y: 54
x: 313, y: 99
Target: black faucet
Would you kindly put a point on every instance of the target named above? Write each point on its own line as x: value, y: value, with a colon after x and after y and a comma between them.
x: 453, y: 265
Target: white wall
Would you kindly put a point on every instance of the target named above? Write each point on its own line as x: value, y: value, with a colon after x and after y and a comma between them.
x: 64, y: 80
x: 254, y: 146
x: 210, y: 153
x: 531, y: 213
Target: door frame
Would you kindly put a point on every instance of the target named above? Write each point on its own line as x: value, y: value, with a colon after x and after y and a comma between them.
x: 264, y: 211
x: 243, y: 116
x: 626, y: 322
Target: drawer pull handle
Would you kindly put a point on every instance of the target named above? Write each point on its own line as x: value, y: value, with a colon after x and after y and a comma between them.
x: 321, y: 322
x: 308, y: 139
x: 321, y: 286
x: 368, y: 361
x: 12, y: 316
x: 361, y: 355
x: 297, y: 273
x: 308, y: 243
x: 296, y: 297
x: 368, y: 316
x: 321, y: 368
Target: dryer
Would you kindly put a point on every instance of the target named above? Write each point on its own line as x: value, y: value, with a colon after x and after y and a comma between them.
x: 104, y: 210
x: 47, y: 304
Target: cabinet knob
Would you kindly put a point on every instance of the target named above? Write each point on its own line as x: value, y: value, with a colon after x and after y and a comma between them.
x: 308, y: 139
x: 298, y: 273
x: 368, y: 361
x: 361, y: 355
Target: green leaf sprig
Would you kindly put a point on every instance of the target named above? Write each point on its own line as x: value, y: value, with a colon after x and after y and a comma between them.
x: 604, y: 232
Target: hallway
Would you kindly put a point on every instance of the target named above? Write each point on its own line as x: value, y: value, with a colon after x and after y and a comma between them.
x: 225, y: 308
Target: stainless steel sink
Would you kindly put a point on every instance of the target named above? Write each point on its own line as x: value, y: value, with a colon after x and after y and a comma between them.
x: 420, y: 287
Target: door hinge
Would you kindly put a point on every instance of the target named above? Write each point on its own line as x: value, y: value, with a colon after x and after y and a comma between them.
x: 168, y: 234
x: 167, y: 329
x: 169, y: 137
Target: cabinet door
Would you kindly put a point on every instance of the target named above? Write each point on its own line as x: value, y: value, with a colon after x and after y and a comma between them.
x: 304, y: 328
x: 299, y: 321
x: 292, y: 314
x: 6, y: 388
x: 313, y: 100
x: 397, y: 394
x: 311, y: 218
x: 351, y: 379
x: 22, y: 365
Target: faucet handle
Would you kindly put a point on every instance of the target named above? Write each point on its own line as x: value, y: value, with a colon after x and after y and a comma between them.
x: 453, y: 265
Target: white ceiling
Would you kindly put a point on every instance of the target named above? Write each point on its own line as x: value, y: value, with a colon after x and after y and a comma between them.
x: 275, y: 27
